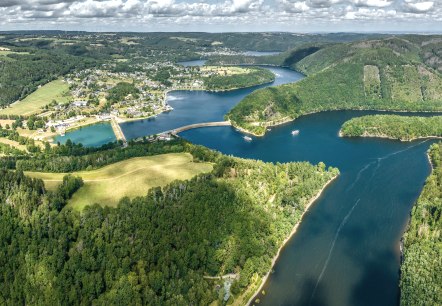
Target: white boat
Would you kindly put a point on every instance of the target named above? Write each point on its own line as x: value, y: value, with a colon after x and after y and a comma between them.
x: 295, y: 132
x: 247, y: 138
x: 168, y: 108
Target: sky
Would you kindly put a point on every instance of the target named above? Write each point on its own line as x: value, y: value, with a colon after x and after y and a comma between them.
x: 223, y: 15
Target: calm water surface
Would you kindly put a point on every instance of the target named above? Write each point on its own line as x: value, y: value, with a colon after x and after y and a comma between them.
x: 261, y: 53
x: 90, y: 136
x: 193, y: 63
x: 199, y: 106
x: 346, y: 250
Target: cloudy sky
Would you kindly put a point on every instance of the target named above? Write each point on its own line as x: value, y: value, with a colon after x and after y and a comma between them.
x: 223, y: 15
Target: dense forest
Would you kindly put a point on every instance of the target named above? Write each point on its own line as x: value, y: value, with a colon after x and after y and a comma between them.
x: 393, y: 126
x: 120, y: 91
x: 421, y: 271
x: 382, y: 75
x: 154, y: 249
x: 255, y: 77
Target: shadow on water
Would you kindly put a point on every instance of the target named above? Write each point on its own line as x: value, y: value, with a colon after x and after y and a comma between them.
x: 376, y: 285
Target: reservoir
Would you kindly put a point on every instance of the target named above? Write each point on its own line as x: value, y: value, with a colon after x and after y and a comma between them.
x: 199, y: 106
x: 346, y: 249
x: 90, y: 136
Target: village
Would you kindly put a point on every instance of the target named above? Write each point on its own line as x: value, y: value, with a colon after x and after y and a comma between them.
x: 135, y: 95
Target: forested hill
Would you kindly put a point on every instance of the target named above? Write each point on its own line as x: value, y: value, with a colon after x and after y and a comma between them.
x: 421, y: 276
x: 391, y: 74
x: 393, y: 126
x: 152, y: 250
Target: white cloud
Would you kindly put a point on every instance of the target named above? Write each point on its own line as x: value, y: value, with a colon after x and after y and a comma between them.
x: 253, y: 14
x: 418, y: 7
x: 373, y: 3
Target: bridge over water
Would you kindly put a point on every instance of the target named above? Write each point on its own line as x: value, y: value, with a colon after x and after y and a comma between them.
x: 198, y: 125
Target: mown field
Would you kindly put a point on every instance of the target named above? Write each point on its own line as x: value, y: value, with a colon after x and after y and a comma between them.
x: 55, y: 90
x: 131, y: 178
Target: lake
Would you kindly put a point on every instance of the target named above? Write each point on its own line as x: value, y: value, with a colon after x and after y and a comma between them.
x: 346, y: 249
x: 199, y: 106
x: 261, y: 53
x: 90, y: 136
x: 193, y: 63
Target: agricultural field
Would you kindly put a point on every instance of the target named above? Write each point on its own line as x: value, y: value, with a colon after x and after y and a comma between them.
x: 226, y: 71
x: 4, y: 52
x: 131, y: 178
x: 56, y: 90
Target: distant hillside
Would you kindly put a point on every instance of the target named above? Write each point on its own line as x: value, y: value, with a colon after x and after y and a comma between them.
x: 390, y: 74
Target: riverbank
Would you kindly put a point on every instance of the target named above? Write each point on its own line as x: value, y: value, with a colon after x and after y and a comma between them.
x: 368, y: 135
x: 245, y: 131
x: 295, y: 228
x: 393, y: 126
x: 271, y: 124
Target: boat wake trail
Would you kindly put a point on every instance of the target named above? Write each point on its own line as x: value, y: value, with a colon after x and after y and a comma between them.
x: 358, y: 176
x: 380, y: 159
x: 378, y: 164
x: 338, y: 231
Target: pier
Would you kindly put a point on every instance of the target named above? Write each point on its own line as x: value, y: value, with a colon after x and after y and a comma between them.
x: 118, y: 131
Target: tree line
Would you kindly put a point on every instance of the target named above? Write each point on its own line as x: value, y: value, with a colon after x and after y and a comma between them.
x: 393, y: 126
x: 421, y: 269
x: 154, y: 249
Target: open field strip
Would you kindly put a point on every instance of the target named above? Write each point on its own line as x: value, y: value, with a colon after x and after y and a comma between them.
x: 132, y: 177
x: 12, y: 143
x: 55, y: 90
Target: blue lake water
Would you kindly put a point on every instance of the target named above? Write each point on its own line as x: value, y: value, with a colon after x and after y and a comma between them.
x: 193, y: 63
x: 261, y: 53
x: 346, y: 250
x: 90, y: 135
x: 199, y: 106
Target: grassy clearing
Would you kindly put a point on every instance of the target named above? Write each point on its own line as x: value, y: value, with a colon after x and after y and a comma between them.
x: 372, y: 82
x: 6, y: 51
x: 226, y: 71
x: 55, y: 90
x: 132, y: 177
x: 12, y: 143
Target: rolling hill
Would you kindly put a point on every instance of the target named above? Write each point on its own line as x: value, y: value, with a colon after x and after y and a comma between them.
x: 390, y: 74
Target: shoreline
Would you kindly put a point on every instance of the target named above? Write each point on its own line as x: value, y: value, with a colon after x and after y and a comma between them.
x: 339, y: 110
x: 167, y: 91
x: 292, y: 233
x: 390, y: 137
x: 243, y: 130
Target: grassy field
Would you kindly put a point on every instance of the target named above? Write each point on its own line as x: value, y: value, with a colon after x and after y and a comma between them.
x: 55, y: 90
x: 226, y: 71
x: 132, y: 177
x: 12, y: 143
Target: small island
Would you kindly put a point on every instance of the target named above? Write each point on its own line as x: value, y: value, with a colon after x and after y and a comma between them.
x: 405, y: 128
